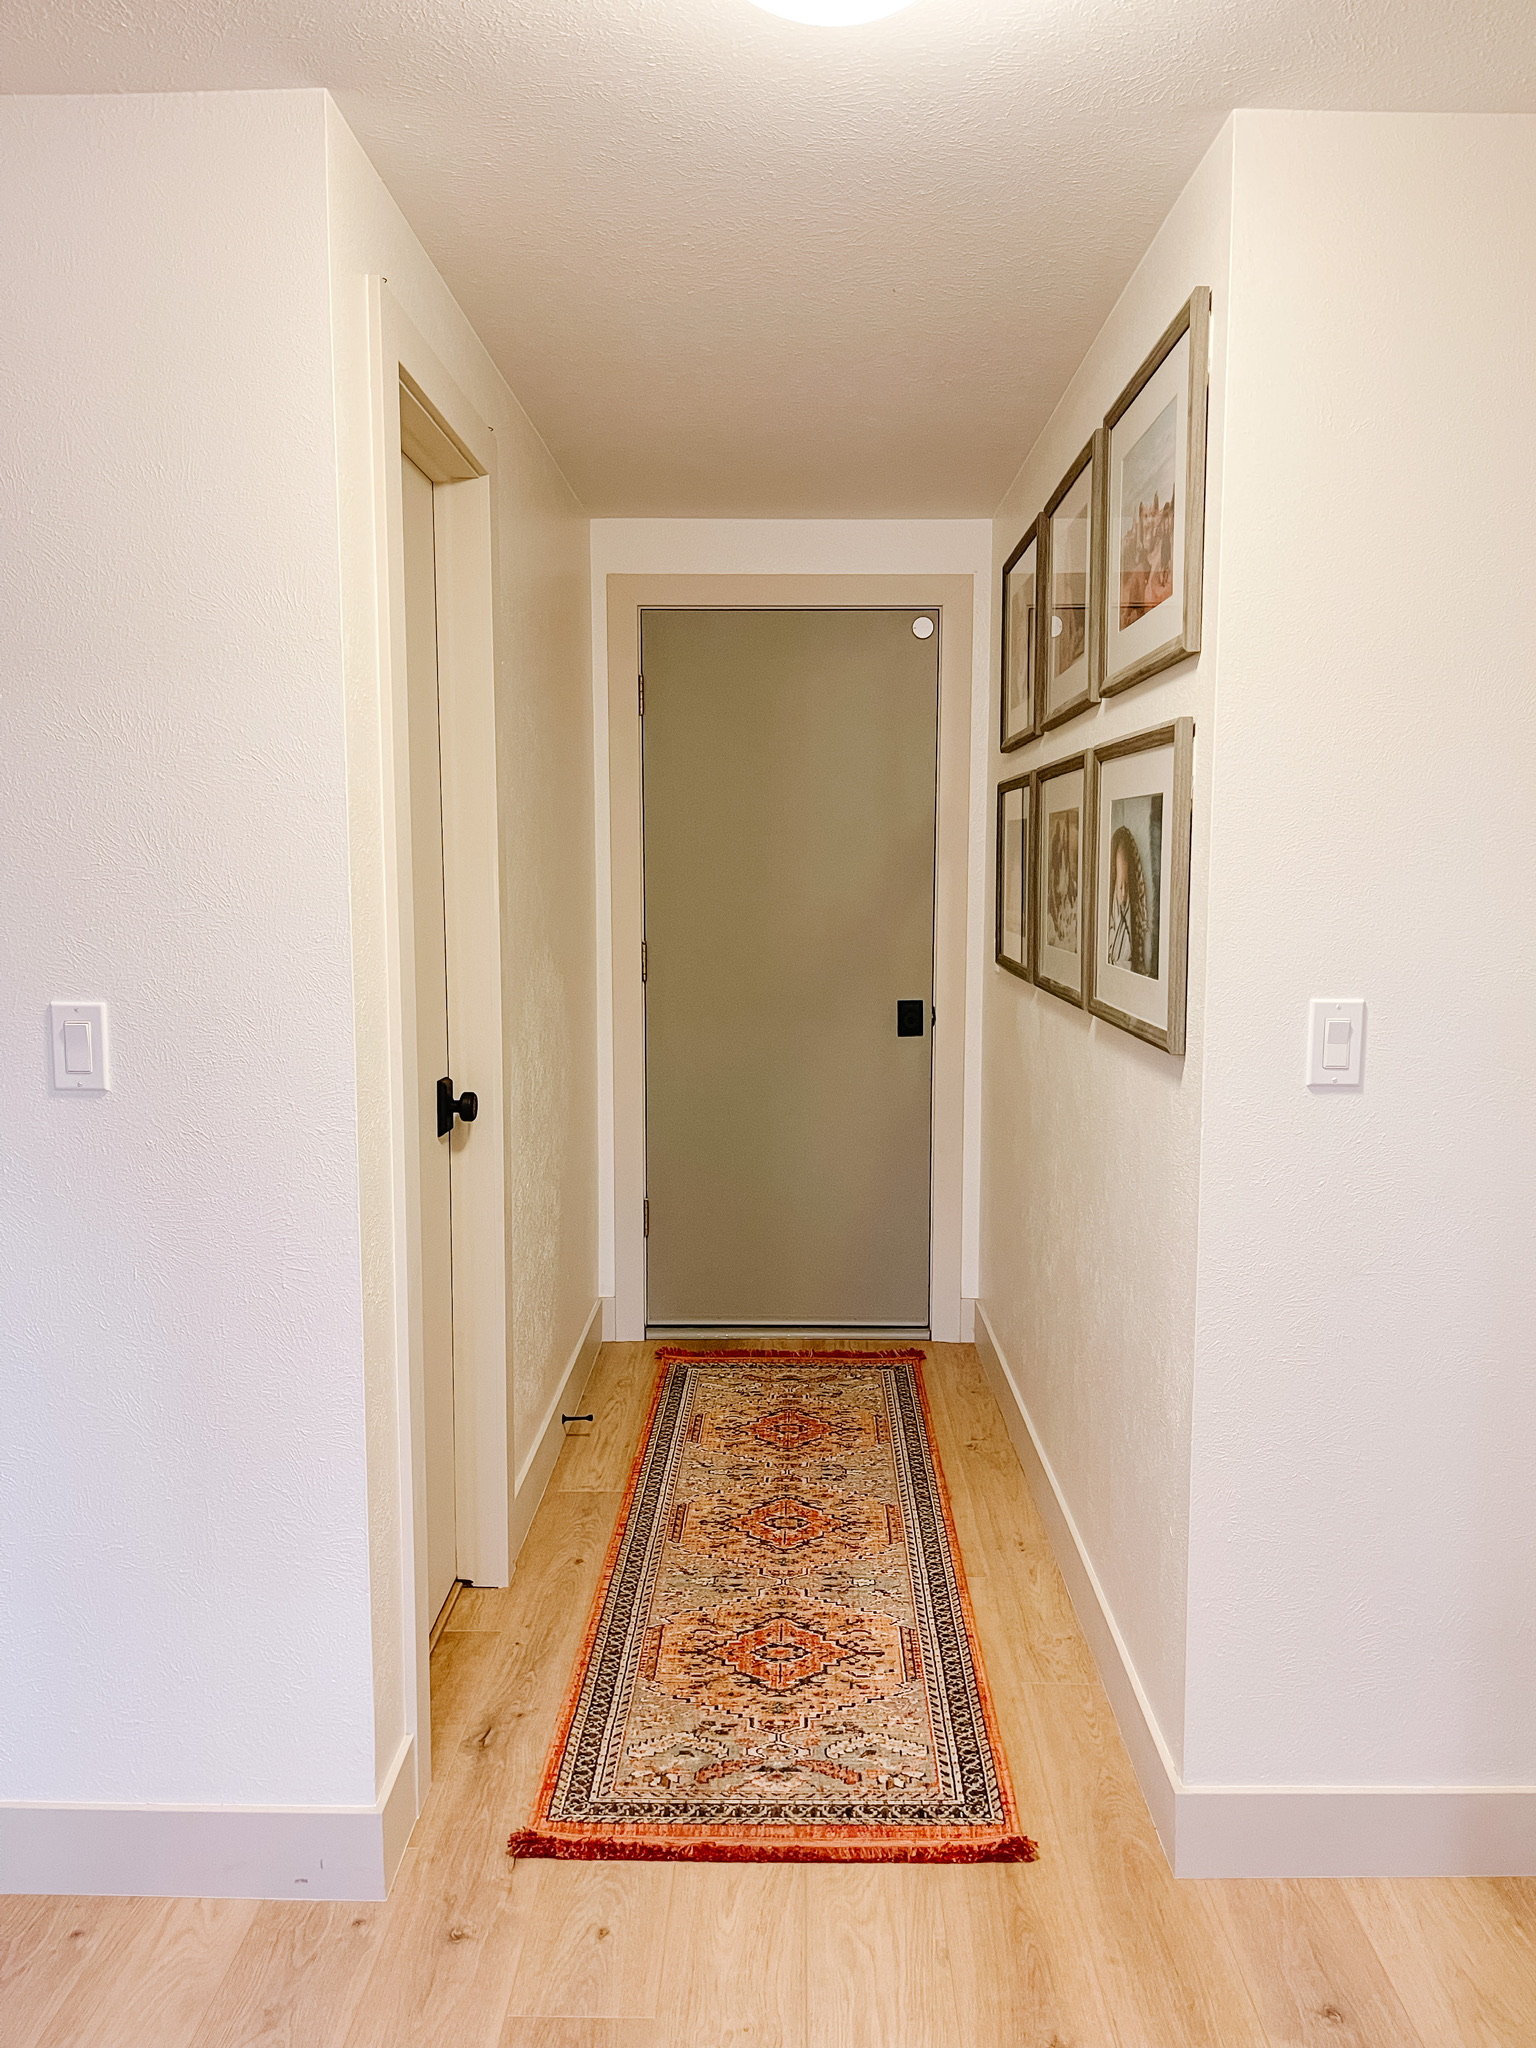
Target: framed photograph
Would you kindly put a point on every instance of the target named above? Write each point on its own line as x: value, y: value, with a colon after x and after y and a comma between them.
x: 1071, y: 573
x: 1021, y: 651
x: 1142, y: 802
x: 1013, y: 851
x: 1063, y: 877
x: 1155, y: 528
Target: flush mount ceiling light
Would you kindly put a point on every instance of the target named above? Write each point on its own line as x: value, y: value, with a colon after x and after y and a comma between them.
x: 832, y: 13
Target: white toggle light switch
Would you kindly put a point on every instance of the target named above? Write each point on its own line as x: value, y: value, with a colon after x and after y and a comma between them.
x: 1335, y: 1029
x: 79, y: 1035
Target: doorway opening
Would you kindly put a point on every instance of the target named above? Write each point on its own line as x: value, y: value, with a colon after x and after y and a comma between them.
x: 789, y: 765
x: 435, y: 460
x: 444, y: 1113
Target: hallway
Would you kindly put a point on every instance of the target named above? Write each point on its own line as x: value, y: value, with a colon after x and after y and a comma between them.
x: 1095, y: 1946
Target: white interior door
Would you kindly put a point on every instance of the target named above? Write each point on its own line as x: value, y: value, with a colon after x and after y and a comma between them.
x: 433, y: 1060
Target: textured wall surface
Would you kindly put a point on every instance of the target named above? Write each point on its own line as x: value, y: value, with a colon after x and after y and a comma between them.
x: 545, y: 779
x: 739, y: 267
x: 182, y: 1513
x: 1364, y: 1523
x: 200, y: 1517
x: 1090, y: 1139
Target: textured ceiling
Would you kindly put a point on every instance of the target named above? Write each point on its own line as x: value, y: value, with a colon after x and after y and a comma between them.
x: 735, y: 266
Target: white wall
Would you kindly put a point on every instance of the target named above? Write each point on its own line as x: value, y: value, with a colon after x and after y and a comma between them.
x: 182, y: 1517
x: 1270, y: 1352
x: 1091, y: 1139
x: 544, y: 777
x: 1364, y: 1519
x: 791, y: 547
x: 200, y: 1522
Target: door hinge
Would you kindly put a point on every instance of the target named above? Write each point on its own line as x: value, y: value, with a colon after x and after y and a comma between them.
x: 645, y: 1208
x: 642, y: 696
x: 645, y: 958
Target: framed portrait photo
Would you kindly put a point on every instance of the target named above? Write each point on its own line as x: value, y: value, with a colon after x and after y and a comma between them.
x: 1155, y: 523
x: 1062, y: 877
x: 1071, y: 572
x: 1142, y: 798
x: 1021, y: 652
x: 1013, y: 852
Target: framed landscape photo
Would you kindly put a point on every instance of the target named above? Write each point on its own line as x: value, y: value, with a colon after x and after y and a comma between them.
x: 1021, y: 653
x: 1155, y: 491
x: 1063, y: 877
x: 1013, y: 852
x: 1071, y: 574
x: 1142, y: 801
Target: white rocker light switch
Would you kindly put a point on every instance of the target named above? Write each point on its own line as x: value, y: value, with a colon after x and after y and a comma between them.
x: 1335, y: 1027
x: 79, y: 1035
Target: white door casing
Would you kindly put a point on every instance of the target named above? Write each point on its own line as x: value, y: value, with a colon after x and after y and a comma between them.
x: 419, y: 410
x: 952, y: 597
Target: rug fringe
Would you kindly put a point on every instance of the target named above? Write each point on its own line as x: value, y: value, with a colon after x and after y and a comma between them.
x: 530, y: 1842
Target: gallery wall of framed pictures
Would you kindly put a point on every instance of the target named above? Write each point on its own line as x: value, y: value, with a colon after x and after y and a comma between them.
x: 1092, y: 901
x: 1103, y: 591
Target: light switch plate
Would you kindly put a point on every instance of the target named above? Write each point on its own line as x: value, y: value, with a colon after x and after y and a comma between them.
x: 1335, y: 1041
x: 78, y: 1033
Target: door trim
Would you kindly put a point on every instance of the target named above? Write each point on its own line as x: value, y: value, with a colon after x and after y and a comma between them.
x: 460, y: 458
x: 953, y: 596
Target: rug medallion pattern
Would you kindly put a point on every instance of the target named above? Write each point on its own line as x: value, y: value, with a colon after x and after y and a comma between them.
x: 781, y: 1664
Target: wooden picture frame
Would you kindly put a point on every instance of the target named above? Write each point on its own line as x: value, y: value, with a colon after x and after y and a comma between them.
x: 1018, y: 723
x: 1071, y: 572
x: 1061, y: 913
x: 1154, y: 556
x: 1014, y: 829
x: 1140, y: 926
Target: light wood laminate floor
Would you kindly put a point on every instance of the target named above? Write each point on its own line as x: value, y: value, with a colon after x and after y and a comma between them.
x: 1094, y: 1946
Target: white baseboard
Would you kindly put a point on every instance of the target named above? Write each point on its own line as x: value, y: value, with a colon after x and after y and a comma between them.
x: 534, y: 1470
x: 1264, y: 1830
x: 211, y: 1852
x: 1356, y: 1831
x: 1150, y: 1757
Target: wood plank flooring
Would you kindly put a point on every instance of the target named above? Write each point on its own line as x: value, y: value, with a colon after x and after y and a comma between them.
x: 1095, y: 1946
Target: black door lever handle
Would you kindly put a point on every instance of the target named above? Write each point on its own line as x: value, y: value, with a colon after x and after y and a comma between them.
x: 466, y: 1108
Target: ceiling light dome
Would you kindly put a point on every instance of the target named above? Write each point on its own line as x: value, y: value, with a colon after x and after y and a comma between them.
x: 833, y: 13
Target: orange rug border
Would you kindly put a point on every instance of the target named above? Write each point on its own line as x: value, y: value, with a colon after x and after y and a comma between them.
x: 686, y: 1844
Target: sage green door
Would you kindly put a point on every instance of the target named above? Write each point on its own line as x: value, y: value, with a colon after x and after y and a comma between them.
x: 790, y: 768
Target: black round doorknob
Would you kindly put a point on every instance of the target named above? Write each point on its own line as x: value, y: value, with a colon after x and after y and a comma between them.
x: 466, y: 1106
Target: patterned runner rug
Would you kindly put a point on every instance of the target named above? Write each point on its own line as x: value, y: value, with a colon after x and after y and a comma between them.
x: 781, y: 1664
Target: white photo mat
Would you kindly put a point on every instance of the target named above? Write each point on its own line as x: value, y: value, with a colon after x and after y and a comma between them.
x: 1069, y: 609
x: 1135, y: 813
x: 1061, y: 878
x: 1141, y: 824
x: 1020, y: 654
x: 1153, y: 548
x: 1013, y: 848
x: 1148, y: 487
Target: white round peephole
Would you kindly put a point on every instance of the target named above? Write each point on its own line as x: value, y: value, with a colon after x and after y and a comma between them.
x: 833, y: 13
x: 923, y: 628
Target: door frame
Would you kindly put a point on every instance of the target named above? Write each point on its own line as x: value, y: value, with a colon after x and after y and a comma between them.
x: 953, y: 597
x: 457, y: 450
